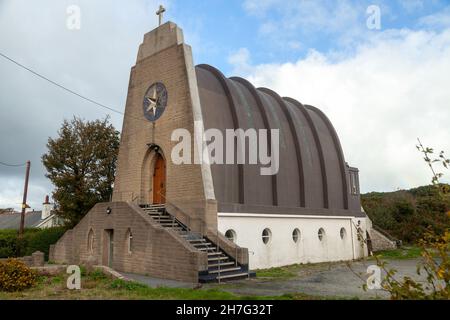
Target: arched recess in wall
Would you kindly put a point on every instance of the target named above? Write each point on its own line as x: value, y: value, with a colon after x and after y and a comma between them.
x: 90, y: 241
x: 148, y: 168
x: 129, y: 241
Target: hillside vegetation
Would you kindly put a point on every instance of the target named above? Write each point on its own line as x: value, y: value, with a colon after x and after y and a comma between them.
x: 406, y: 214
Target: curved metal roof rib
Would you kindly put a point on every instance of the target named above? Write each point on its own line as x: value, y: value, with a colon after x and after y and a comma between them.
x: 313, y: 173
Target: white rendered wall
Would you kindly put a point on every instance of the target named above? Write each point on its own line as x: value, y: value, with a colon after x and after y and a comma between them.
x: 282, y: 250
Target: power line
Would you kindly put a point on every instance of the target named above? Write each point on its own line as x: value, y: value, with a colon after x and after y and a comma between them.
x: 12, y: 165
x: 60, y: 86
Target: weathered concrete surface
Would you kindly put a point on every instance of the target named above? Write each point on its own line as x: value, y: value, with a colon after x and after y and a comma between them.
x: 333, y: 280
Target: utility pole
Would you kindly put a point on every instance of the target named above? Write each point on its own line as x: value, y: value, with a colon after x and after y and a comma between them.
x: 24, y: 202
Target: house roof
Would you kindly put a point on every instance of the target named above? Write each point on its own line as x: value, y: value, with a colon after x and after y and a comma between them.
x: 12, y: 220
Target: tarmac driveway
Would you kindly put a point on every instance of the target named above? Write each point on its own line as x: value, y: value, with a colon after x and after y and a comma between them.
x: 328, y: 279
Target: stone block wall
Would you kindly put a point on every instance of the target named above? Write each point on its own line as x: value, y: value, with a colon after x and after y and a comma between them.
x: 380, y: 242
x: 35, y: 260
x: 155, y: 251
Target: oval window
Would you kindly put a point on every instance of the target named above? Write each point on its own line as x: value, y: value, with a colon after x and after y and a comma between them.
x: 266, y: 235
x: 343, y: 233
x: 231, y: 235
x: 296, y: 235
x: 321, y: 234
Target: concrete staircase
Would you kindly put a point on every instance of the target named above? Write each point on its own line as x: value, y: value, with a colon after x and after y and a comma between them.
x: 221, y: 267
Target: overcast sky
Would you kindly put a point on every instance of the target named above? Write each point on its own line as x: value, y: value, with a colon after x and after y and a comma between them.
x: 381, y: 88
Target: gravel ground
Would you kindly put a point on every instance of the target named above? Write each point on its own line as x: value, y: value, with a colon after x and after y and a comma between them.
x: 332, y: 280
x: 328, y: 280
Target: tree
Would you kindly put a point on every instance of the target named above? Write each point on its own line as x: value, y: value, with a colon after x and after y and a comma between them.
x: 81, y: 163
x: 435, y: 247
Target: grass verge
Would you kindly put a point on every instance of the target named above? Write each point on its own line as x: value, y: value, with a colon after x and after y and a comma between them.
x: 98, y: 286
x: 279, y: 273
x: 402, y: 253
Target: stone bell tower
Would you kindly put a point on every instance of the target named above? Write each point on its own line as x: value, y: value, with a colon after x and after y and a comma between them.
x: 162, y: 97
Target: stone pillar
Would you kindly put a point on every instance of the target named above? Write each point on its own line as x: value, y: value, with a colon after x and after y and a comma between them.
x: 38, y: 259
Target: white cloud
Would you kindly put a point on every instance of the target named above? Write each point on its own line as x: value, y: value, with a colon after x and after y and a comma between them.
x: 94, y: 61
x: 240, y: 60
x: 306, y: 15
x: 412, y: 5
x: 393, y: 90
x: 437, y: 20
x: 11, y: 195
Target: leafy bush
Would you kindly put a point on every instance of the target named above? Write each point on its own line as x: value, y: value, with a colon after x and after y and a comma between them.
x: 41, y: 240
x: 435, y: 265
x: 8, y: 243
x: 407, y: 214
x: 16, y: 276
x: 33, y: 240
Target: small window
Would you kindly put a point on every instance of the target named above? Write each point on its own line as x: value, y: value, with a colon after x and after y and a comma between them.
x: 321, y: 234
x: 90, y: 244
x: 231, y: 235
x: 354, y: 183
x: 130, y: 241
x: 266, y: 235
x: 343, y: 233
x: 296, y: 235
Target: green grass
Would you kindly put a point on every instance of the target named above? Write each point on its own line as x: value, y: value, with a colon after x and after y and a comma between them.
x: 401, y: 253
x: 98, y: 286
x: 279, y: 273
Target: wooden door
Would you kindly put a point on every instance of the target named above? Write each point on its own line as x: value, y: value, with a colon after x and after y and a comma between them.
x: 159, y: 180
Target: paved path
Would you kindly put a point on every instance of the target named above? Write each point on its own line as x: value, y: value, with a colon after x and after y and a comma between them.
x: 333, y: 280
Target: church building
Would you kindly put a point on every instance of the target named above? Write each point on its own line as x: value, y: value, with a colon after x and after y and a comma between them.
x: 202, y: 221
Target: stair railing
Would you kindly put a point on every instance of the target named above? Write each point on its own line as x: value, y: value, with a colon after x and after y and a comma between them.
x: 183, y: 225
x: 218, y: 257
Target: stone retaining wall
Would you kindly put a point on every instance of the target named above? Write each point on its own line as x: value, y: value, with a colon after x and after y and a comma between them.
x: 35, y: 260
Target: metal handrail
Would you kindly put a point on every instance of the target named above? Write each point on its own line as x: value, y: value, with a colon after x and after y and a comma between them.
x: 219, y: 260
x: 188, y: 229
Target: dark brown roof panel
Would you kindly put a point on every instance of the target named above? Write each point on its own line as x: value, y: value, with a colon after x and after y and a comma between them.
x: 313, y: 173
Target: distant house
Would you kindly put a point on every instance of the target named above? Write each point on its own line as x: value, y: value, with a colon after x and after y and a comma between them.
x: 9, y: 219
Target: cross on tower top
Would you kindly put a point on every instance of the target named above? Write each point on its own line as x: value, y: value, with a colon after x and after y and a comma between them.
x: 160, y: 12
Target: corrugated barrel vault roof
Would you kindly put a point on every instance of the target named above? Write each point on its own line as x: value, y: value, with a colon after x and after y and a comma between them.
x: 313, y: 172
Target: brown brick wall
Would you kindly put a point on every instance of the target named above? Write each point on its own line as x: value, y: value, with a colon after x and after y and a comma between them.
x: 133, y: 180
x: 156, y: 252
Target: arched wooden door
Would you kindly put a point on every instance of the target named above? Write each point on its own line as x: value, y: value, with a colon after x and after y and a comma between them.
x: 159, y: 180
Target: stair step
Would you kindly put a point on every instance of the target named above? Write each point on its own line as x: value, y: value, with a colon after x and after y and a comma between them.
x: 236, y: 275
x: 224, y: 270
x: 222, y: 264
x: 200, y: 240
x: 217, y: 258
x: 215, y: 253
x: 207, y: 249
x: 203, y: 245
x: 175, y: 228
